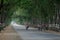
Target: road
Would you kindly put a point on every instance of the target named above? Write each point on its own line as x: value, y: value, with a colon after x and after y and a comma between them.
x: 34, y: 34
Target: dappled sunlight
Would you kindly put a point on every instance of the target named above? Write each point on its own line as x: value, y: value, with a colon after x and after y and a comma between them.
x: 15, y: 24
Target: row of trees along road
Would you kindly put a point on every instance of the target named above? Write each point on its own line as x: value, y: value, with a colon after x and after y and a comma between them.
x: 37, y: 11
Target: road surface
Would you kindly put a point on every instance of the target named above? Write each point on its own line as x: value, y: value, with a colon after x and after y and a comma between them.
x: 34, y: 34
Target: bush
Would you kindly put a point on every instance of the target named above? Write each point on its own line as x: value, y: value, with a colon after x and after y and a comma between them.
x: 2, y: 27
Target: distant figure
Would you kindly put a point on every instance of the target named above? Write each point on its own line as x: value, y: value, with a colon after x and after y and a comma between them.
x: 43, y: 27
x: 27, y: 26
x: 39, y: 27
x: 47, y: 27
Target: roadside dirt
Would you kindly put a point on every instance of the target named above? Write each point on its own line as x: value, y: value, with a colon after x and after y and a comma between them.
x: 9, y: 34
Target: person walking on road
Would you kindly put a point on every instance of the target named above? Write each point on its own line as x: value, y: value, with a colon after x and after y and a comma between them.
x: 39, y: 27
x: 27, y: 26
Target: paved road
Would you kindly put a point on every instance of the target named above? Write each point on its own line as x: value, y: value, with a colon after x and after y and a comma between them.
x: 34, y: 34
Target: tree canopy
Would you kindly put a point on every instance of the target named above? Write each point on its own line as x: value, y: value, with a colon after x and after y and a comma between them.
x: 39, y: 9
